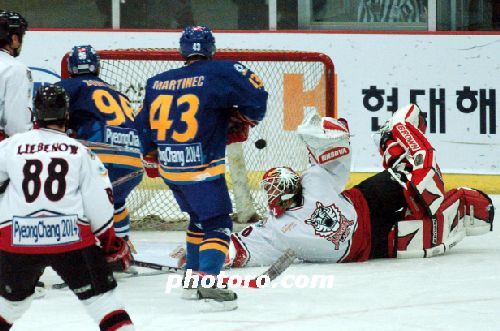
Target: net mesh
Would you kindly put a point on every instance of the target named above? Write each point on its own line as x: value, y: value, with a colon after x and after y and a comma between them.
x: 293, y: 82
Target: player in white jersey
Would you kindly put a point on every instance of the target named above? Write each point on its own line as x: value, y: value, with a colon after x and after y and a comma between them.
x: 56, y: 209
x: 322, y: 222
x: 15, y: 78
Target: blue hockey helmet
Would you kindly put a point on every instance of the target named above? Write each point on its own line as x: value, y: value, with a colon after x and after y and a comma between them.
x: 83, y: 60
x: 197, y: 40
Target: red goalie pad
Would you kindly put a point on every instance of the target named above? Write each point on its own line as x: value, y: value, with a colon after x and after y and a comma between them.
x: 411, y: 148
x: 475, y: 208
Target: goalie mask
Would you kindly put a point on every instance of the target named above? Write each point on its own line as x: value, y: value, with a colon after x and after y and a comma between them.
x: 83, y: 60
x: 283, y: 188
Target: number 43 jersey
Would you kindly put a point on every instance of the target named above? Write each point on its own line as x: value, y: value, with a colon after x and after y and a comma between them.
x: 58, y: 194
x: 186, y: 113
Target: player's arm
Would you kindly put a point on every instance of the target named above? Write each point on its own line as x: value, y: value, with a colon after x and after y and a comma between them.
x: 148, y: 147
x: 248, y: 95
x: 407, y: 151
x: 17, y: 108
x: 4, y: 176
x: 97, y: 195
x: 247, y: 104
x: 253, y: 246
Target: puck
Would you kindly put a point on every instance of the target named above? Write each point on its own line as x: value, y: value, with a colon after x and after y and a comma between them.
x: 260, y: 144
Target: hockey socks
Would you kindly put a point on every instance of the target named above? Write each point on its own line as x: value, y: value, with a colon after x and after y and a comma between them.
x: 117, y: 320
x: 121, y: 220
x: 213, y: 250
x: 193, y: 241
x: 4, y: 325
x: 108, y: 312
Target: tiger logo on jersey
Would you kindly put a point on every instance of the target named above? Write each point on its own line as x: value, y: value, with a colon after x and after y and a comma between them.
x: 329, y: 223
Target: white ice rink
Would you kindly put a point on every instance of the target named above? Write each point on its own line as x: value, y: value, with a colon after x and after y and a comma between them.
x: 457, y: 291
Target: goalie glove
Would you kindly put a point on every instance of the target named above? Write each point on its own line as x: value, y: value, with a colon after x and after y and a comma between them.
x: 239, y: 128
x: 151, y: 166
x: 328, y: 142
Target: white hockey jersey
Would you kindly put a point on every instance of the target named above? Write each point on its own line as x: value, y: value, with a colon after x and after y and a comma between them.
x: 326, y: 228
x: 58, y: 197
x: 15, y: 95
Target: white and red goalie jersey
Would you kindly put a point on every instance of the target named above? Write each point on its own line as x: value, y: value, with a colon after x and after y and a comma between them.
x: 58, y: 197
x: 325, y: 227
x: 321, y: 230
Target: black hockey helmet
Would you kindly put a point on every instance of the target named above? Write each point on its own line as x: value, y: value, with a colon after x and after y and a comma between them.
x: 51, y: 104
x: 11, y: 23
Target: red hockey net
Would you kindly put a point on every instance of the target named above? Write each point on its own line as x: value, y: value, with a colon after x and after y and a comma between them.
x: 294, y: 80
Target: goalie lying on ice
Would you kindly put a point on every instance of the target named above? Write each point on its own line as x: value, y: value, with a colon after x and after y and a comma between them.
x: 399, y: 212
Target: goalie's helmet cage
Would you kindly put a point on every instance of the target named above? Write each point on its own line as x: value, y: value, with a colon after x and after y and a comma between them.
x: 281, y: 185
x: 51, y: 104
x: 11, y: 23
x: 83, y: 60
x: 197, y: 41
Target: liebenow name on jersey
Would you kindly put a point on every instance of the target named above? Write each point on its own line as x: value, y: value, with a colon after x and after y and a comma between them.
x: 177, y: 84
x: 47, y: 148
x: 123, y: 137
x: 180, y: 155
x: 45, y: 230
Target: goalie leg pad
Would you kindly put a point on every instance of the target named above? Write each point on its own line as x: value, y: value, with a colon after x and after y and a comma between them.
x: 475, y: 209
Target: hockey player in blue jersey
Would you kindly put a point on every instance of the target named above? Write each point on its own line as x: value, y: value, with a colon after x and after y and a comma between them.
x: 99, y: 113
x: 188, y: 117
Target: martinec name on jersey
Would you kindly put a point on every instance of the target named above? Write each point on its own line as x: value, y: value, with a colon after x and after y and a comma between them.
x: 323, y: 222
x: 188, y: 117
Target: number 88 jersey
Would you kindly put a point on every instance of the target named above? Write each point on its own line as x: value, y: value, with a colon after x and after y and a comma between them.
x: 186, y: 112
x: 58, y: 195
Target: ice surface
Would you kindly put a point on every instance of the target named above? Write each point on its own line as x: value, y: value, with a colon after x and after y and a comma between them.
x: 457, y: 291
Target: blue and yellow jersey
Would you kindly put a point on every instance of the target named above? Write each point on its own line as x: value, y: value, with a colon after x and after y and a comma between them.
x: 186, y: 112
x: 99, y: 113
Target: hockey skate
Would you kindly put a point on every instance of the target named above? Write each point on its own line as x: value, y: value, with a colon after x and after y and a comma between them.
x: 189, y: 290
x: 217, y: 298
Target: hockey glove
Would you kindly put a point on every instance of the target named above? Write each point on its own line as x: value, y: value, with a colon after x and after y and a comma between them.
x: 119, y: 254
x: 150, y: 163
x: 239, y: 128
x: 116, y: 249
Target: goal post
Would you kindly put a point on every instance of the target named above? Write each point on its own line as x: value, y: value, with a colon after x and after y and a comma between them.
x: 294, y: 80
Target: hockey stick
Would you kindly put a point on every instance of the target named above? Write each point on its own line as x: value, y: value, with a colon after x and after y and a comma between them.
x: 127, y: 177
x: 156, y: 266
x: 276, y: 269
x: 63, y: 285
x: 104, y: 145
